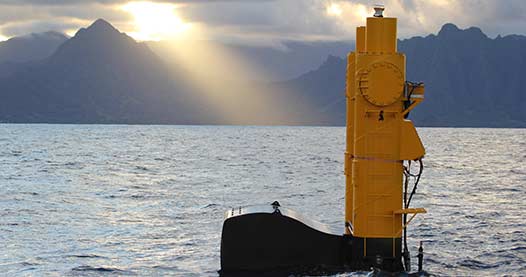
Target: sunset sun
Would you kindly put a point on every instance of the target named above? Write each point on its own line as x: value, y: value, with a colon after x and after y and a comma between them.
x: 155, y: 21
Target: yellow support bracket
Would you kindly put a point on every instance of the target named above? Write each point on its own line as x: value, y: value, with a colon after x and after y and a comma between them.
x: 411, y: 107
x: 413, y: 211
x: 416, y: 98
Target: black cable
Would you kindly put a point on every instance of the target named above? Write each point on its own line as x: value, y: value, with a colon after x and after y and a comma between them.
x: 416, y: 182
x: 406, y: 254
x: 413, y: 87
x: 407, y: 103
x: 407, y: 202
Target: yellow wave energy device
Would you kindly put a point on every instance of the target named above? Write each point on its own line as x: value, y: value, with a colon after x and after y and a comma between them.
x: 380, y: 148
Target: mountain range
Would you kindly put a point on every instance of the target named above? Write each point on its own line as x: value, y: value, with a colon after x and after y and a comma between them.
x: 18, y: 52
x: 98, y: 76
x: 101, y: 75
x: 471, y: 80
x: 35, y: 46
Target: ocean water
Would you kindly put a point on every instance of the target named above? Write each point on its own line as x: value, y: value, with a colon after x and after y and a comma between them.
x: 88, y: 200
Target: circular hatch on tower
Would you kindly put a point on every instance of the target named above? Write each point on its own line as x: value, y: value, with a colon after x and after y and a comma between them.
x: 381, y: 84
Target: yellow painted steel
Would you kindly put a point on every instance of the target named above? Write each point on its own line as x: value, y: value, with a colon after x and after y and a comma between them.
x: 360, y: 39
x: 379, y: 137
x: 349, y: 94
x: 381, y: 35
x: 349, y: 88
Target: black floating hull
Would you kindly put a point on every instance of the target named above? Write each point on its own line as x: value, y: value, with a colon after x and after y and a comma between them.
x: 270, y: 241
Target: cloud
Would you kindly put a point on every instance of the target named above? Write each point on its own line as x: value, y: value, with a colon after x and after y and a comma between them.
x: 16, y: 20
x: 273, y: 20
x: 270, y: 21
x: 313, y: 19
x: 420, y: 17
x: 75, y: 2
x: 56, y: 2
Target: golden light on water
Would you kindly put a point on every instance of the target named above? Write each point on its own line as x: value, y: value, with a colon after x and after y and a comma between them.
x: 155, y: 21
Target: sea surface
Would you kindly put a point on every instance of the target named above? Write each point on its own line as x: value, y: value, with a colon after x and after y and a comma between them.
x: 89, y: 200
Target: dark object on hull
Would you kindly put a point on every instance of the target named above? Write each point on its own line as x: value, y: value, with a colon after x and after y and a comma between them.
x: 272, y: 241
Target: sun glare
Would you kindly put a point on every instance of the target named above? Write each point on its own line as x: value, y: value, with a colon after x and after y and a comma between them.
x: 155, y: 21
x: 362, y: 11
x: 334, y: 9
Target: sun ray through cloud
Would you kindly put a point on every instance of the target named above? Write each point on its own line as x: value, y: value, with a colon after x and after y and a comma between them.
x: 155, y: 21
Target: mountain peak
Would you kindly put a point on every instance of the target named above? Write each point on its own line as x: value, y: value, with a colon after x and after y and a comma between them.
x: 30, y: 47
x: 331, y: 62
x: 448, y: 28
x: 100, y: 37
x: 102, y: 25
x: 100, y: 30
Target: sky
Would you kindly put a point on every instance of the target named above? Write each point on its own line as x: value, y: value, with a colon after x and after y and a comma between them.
x: 258, y: 22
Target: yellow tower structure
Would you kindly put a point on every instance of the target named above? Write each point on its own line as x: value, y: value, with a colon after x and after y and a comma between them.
x: 381, y: 143
x: 379, y: 139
